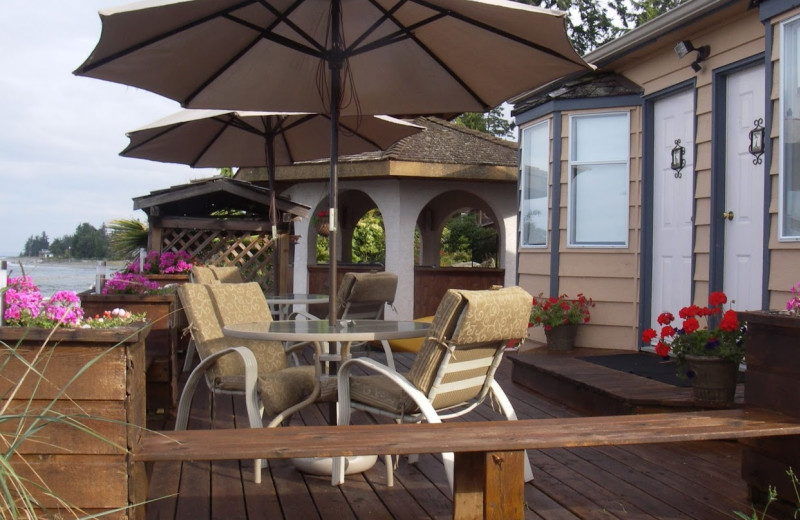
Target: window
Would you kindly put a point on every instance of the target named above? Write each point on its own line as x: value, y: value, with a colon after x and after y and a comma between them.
x: 598, y: 180
x: 789, y: 205
x: 535, y: 173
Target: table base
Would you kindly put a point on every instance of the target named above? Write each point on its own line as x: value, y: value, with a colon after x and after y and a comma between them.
x: 322, y: 465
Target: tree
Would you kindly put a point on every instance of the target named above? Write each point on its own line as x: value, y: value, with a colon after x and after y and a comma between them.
x: 35, y: 245
x: 645, y: 10
x: 89, y: 242
x: 492, y: 122
x: 466, y: 239
x: 127, y: 237
x: 369, y: 243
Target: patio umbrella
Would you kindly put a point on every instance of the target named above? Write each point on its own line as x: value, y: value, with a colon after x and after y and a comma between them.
x: 222, y: 138
x: 398, y: 57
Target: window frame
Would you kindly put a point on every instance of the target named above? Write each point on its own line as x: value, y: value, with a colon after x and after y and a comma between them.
x: 525, y: 180
x: 572, y: 163
x: 783, y: 131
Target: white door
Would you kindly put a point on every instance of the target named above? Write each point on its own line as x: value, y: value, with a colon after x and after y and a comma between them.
x: 673, y: 202
x: 744, y: 192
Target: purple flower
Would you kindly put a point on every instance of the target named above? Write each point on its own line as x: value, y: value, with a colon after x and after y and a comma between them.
x: 128, y: 283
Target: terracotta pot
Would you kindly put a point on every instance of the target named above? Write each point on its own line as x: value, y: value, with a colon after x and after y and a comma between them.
x: 561, y: 338
x: 713, y: 380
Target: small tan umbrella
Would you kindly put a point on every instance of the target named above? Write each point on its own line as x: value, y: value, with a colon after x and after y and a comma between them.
x: 222, y: 138
x: 397, y: 57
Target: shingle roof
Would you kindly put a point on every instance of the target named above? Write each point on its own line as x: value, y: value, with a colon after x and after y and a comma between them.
x: 446, y: 143
x: 591, y: 85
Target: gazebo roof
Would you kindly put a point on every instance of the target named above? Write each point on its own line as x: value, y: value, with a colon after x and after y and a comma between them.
x: 205, y: 197
x: 443, y: 150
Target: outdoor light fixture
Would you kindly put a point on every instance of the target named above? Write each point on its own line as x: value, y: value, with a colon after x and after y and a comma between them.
x: 684, y: 47
x: 678, y: 160
x: 757, y: 141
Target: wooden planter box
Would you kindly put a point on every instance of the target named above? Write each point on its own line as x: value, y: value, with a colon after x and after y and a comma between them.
x: 771, y: 381
x: 162, y: 342
x: 87, y: 472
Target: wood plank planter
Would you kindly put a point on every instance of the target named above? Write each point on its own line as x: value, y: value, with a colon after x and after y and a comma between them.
x: 90, y: 473
x: 771, y: 380
x: 162, y: 342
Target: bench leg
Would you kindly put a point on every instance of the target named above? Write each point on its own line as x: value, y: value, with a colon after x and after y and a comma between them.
x: 489, y: 486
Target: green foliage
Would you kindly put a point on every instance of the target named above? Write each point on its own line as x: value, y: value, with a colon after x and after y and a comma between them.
x: 369, y: 239
x: 127, y: 236
x: 492, y: 122
x: 464, y: 239
x: 645, y: 10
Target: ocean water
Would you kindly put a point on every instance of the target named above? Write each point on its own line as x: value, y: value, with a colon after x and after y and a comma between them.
x: 52, y: 277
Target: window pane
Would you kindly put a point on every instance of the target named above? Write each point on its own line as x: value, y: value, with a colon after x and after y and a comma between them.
x: 600, y: 195
x: 600, y: 138
x: 535, y: 169
x: 790, y: 100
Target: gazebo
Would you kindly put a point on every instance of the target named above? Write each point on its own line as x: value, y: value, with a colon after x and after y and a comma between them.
x: 418, y: 184
x: 223, y: 221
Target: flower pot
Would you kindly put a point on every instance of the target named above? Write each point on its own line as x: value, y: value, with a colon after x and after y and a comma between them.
x: 323, y: 229
x: 561, y: 338
x: 713, y: 380
x: 95, y: 376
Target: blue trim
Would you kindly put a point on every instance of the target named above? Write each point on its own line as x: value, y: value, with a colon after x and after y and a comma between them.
x: 769, y: 71
x: 716, y: 264
x: 648, y: 196
x: 767, y: 10
x: 555, y: 216
x: 563, y: 105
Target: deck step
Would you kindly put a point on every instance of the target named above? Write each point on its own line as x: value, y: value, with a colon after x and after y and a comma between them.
x: 593, y: 389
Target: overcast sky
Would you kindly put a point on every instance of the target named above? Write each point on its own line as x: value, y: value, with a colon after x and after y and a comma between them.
x: 61, y: 134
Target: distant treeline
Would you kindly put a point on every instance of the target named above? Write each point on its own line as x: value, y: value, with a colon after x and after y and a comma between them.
x: 88, y: 242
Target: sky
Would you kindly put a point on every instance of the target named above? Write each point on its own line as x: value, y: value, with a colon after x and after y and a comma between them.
x: 61, y: 134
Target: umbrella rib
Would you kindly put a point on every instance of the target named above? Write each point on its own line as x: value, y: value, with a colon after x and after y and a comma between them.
x: 411, y: 36
x: 262, y: 33
x: 157, y: 38
x: 504, y: 34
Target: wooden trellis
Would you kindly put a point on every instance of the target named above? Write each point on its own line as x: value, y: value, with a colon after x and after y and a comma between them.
x: 252, y: 254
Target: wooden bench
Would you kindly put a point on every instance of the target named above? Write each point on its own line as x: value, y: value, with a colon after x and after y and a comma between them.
x: 488, y: 467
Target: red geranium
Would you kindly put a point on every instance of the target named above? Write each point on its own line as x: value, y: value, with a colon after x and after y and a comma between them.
x: 725, y: 341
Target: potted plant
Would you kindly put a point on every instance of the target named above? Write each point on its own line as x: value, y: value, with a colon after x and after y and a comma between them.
x: 560, y: 318
x: 709, y: 354
x: 164, y: 268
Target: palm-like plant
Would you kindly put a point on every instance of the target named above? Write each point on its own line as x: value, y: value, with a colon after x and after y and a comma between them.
x: 128, y: 236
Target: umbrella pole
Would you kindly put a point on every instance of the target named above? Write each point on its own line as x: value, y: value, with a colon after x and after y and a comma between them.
x: 335, y: 65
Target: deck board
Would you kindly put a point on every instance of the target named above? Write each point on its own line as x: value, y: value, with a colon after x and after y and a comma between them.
x: 675, y: 480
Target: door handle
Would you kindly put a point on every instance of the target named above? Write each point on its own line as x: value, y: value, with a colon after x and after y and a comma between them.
x: 727, y: 215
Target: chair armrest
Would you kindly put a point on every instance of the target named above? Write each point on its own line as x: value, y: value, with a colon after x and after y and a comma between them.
x: 250, y: 385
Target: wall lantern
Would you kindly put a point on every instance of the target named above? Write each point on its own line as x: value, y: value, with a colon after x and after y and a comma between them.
x: 684, y: 47
x: 757, y: 141
x: 678, y: 160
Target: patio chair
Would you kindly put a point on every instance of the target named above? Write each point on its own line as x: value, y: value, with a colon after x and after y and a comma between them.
x: 209, y: 274
x: 216, y: 274
x: 258, y: 370
x: 365, y: 296
x: 452, y: 373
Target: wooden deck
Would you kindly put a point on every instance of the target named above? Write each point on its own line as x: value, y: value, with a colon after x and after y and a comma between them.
x: 668, y: 481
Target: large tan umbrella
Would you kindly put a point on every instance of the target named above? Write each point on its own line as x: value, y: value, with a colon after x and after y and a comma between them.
x: 222, y: 138
x: 397, y: 57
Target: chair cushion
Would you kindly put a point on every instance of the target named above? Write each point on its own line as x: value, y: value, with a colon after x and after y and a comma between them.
x: 284, y: 388
x: 382, y: 393
x: 412, y: 344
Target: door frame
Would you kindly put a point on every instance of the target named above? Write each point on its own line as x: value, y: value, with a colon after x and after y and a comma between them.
x: 719, y: 83
x: 648, y: 176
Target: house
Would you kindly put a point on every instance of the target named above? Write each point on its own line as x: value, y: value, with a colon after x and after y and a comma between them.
x: 671, y: 171
x: 417, y: 184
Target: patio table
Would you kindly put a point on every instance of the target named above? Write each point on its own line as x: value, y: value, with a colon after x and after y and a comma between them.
x: 323, y: 333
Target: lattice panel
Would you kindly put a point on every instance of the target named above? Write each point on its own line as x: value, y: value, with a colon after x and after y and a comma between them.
x: 252, y: 254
